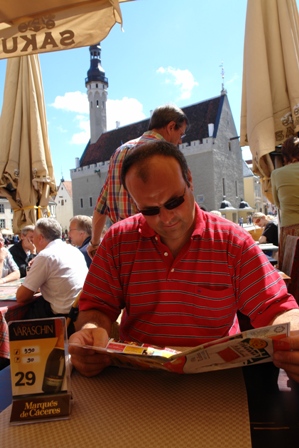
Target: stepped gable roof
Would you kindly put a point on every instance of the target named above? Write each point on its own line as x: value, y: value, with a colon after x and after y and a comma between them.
x: 199, y: 115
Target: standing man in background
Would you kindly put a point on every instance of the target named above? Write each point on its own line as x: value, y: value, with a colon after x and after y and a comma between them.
x: 167, y: 123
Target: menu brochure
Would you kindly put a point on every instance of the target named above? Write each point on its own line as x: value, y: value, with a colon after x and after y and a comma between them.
x: 249, y: 347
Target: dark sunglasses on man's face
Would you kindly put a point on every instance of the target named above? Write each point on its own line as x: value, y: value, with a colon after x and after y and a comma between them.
x: 169, y: 205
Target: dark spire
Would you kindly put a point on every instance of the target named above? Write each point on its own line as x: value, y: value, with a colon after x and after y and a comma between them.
x: 96, y: 71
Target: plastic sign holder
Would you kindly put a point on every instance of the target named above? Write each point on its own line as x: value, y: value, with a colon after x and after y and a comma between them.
x: 40, y: 374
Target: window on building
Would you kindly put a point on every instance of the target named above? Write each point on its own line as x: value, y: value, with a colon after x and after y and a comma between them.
x: 2, y: 223
x: 97, y: 103
x: 236, y: 188
x: 223, y: 187
x: 62, y: 202
x: 1, y: 208
x: 81, y: 203
x: 90, y: 202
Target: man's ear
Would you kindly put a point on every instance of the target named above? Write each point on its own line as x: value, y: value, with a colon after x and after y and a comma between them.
x: 170, y: 126
x: 190, y: 180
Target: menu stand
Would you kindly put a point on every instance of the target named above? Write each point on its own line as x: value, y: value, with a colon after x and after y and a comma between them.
x: 40, y: 374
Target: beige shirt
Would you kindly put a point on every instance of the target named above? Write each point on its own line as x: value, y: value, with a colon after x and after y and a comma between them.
x: 285, y: 189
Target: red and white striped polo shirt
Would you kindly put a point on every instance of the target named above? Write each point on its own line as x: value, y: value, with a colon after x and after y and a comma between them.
x: 190, y: 299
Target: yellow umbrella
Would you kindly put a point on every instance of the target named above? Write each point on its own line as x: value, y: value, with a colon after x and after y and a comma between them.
x: 39, y: 26
x: 26, y: 171
x: 270, y: 94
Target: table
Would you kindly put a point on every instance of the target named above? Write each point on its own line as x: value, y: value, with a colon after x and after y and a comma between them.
x: 132, y: 409
x: 268, y: 247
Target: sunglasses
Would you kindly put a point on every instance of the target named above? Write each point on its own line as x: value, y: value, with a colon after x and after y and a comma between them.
x: 169, y: 205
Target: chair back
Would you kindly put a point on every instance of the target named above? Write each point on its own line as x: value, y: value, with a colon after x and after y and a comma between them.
x: 290, y: 264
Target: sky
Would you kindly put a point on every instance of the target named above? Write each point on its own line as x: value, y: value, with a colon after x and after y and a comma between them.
x: 169, y: 51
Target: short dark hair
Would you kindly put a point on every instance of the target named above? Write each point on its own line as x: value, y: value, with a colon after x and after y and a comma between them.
x: 141, y: 154
x: 290, y: 149
x: 163, y: 115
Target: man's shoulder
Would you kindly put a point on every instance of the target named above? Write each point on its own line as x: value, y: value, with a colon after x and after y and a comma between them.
x: 131, y: 228
x: 16, y: 248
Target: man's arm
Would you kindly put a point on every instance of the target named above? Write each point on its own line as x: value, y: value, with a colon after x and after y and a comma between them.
x: 98, y: 223
x: 24, y: 295
x: 93, y: 328
x: 93, y: 319
x: 291, y: 316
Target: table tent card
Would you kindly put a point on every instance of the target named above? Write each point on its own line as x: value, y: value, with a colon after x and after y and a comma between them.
x: 40, y: 374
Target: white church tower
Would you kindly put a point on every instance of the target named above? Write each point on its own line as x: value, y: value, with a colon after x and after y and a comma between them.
x: 96, y: 84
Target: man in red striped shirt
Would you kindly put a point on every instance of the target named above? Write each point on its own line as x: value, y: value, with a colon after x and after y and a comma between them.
x: 178, y: 273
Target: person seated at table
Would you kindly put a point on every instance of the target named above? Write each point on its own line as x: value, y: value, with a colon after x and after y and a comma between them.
x: 177, y: 273
x: 58, y: 271
x: 80, y: 234
x: 8, y: 267
x: 269, y: 226
x: 24, y: 251
x: 269, y: 235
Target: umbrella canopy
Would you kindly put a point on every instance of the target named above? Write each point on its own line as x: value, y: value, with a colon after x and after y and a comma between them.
x: 270, y: 95
x: 35, y: 26
x: 26, y: 171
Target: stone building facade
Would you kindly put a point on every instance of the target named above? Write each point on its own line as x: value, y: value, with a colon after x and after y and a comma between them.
x: 211, y: 148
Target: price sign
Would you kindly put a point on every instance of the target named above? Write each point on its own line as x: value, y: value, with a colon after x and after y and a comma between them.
x: 38, y: 369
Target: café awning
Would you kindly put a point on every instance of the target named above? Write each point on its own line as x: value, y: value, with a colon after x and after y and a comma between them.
x: 270, y: 94
x: 26, y: 171
x: 40, y: 26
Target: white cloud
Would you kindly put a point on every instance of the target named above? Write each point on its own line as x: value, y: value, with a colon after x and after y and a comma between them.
x: 72, y: 102
x: 181, y: 78
x: 125, y: 111
x: 81, y: 138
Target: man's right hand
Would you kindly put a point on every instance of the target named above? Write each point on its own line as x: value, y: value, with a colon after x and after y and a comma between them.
x: 87, y: 361
x: 91, y: 250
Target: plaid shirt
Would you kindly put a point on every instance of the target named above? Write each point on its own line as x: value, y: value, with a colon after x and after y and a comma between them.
x: 113, y: 200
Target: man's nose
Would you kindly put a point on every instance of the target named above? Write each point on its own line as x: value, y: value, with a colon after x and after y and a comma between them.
x: 165, y: 214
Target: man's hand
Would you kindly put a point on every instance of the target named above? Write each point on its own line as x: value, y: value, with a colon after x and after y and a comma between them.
x: 286, y: 355
x: 89, y: 362
x: 91, y: 250
x: 31, y: 246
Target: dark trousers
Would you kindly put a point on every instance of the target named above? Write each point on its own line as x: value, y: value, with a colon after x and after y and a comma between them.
x: 41, y: 309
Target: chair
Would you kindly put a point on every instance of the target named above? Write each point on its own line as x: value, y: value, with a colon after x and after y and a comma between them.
x: 290, y: 264
x: 72, y: 316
